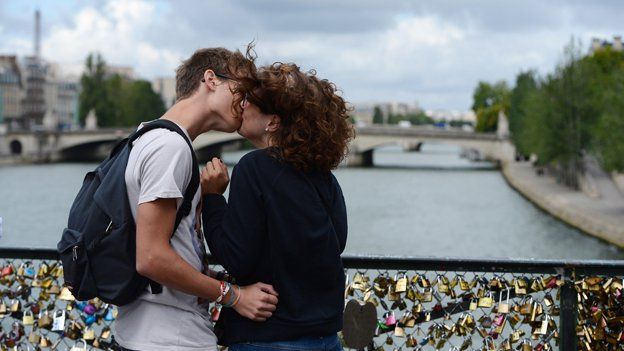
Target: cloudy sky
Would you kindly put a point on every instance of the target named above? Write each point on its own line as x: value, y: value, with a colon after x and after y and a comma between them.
x: 432, y: 52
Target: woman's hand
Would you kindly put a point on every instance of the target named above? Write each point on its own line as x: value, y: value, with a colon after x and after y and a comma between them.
x: 257, y: 302
x: 214, y: 177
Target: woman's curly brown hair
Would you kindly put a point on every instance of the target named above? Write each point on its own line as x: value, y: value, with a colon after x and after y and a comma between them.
x: 315, y: 129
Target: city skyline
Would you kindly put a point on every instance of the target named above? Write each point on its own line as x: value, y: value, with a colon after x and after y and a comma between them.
x: 397, y: 51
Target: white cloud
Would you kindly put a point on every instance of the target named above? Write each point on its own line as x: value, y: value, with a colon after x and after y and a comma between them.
x: 116, y: 31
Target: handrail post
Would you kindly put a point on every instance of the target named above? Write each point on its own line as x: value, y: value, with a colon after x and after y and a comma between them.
x: 568, y: 314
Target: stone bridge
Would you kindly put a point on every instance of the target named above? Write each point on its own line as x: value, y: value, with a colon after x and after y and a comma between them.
x: 95, y: 145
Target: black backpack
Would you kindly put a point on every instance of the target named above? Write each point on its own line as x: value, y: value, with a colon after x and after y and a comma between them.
x: 98, y: 246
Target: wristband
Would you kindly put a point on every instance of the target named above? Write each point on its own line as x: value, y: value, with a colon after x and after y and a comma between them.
x: 224, y: 288
x: 238, y: 297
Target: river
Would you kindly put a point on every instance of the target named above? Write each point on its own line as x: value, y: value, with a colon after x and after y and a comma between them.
x: 431, y: 203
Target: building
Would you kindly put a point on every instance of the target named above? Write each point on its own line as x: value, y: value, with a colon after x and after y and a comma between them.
x: 598, y: 44
x: 61, y: 99
x: 11, y: 91
x: 166, y: 87
x: 123, y: 71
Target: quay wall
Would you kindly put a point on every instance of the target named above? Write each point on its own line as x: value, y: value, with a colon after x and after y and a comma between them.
x: 605, y: 226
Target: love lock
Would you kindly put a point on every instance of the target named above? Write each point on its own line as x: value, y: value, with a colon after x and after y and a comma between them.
x: 360, y: 321
x: 80, y: 345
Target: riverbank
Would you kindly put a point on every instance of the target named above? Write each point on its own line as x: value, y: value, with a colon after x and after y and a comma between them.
x: 601, y: 217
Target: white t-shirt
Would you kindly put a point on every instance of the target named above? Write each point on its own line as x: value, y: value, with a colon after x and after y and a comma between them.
x: 159, y: 166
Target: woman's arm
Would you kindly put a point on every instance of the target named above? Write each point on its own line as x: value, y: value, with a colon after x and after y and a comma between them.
x: 234, y: 231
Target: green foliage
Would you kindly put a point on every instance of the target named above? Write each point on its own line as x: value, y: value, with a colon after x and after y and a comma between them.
x: 378, y: 116
x: 419, y: 118
x: 576, y: 109
x: 488, y: 101
x: 118, y: 102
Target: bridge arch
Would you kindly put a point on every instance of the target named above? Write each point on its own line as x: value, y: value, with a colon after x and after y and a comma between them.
x: 16, y: 147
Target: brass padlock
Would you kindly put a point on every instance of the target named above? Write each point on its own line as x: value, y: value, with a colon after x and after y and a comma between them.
x: 34, y: 338
x: 54, y: 289
x: 401, y: 284
x: 503, y: 307
x: 45, y: 321
x: 486, y: 301
x: 43, y: 271
x: 106, y: 333
x: 66, y: 295
x: 16, y: 305
x: 28, y: 318
x: 45, y: 342
x: 89, y: 334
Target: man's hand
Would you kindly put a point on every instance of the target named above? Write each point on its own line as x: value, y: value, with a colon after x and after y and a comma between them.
x: 257, y: 302
x: 214, y: 177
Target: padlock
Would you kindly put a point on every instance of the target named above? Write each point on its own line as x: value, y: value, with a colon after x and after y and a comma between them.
x: 45, y: 321
x: 73, y: 330
x: 80, y: 345
x: 7, y: 270
x: 16, y: 305
x: 28, y: 318
x: 401, y: 284
x: 89, y: 334
x: 503, y: 307
x: 54, y: 289
x: 110, y: 316
x: 106, y: 333
x: 45, y: 342
x: 66, y: 295
x: 89, y: 309
x: 486, y: 301
x: 390, y: 319
x: 43, y: 271
x: 3, y: 308
x: 34, y: 338
x: 58, y: 323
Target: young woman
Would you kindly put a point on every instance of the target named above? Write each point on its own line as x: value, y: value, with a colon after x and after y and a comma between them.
x: 285, y: 221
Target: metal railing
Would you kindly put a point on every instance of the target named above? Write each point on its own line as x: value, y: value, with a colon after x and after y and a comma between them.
x: 426, y: 304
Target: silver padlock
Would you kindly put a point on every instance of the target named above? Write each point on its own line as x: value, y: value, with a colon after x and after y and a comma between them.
x: 76, y: 346
x: 58, y: 323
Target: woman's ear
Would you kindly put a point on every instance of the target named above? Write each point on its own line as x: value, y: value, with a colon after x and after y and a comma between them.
x: 274, y: 124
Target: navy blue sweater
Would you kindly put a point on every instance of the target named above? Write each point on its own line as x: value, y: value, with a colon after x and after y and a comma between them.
x: 275, y: 229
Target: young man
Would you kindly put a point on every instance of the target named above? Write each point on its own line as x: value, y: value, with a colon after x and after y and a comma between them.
x: 158, y: 172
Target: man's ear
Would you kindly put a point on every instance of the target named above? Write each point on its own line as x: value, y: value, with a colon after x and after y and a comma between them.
x: 274, y: 124
x: 209, y: 79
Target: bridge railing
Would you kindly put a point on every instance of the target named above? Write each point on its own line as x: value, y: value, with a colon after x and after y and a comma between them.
x: 426, y: 304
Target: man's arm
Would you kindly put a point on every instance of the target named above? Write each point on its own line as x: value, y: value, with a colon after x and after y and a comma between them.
x: 156, y: 260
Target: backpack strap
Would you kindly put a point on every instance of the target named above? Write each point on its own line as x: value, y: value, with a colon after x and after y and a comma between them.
x: 191, y: 189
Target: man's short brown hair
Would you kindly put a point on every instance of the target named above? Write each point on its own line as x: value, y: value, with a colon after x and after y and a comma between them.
x: 191, y: 71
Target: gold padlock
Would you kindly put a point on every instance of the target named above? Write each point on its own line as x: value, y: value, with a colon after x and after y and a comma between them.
x: 106, y: 333
x: 45, y: 342
x: 34, y: 338
x: 54, y: 289
x: 401, y: 284
x: 16, y: 306
x: 3, y: 308
x: 89, y: 334
x: 28, y: 318
x: 66, y: 295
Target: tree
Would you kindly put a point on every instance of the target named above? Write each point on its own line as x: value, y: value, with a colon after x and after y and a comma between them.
x: 526, y: 85
x: 488, y: 101
x: 93, y: 94
x: 378, y: 116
